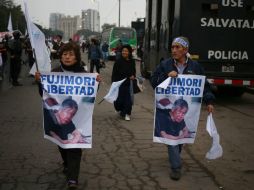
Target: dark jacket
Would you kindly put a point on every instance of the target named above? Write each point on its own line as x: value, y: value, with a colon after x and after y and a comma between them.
x: 193, y: 67
x: 123, y: 69
x: 15, y: 47
x: 94, y: 52
x: 104, y: 47
x: 57, y: 47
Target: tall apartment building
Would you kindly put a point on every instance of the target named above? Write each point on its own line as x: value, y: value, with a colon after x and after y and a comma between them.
x: 54, y: 20
x: 90, y: 20
x: 70, y: 25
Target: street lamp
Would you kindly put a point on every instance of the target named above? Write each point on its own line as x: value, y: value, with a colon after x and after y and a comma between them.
x: 119, y: 14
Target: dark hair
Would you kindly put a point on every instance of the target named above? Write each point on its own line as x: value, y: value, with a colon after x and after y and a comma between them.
x: 93, y: 40
x: 180, y: 103
x: 70, y: 103
x: 16, y: 34
x: 70, y: 46
x: 128, y: 47
x: 60, y: 36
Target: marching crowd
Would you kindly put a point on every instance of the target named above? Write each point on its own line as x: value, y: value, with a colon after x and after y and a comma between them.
x: 69, y: 56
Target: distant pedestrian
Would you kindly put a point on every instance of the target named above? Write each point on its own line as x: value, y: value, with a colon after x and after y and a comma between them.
x: 87, y: 45
x: 15, y: 48
x: 3, y: 59
x: 83, y: 46
x: 94, y: 56
x: 56, y: 47
x: 29, y: 52
x: 124, y: 67
x: 104, y: 49
x: 119, y: 49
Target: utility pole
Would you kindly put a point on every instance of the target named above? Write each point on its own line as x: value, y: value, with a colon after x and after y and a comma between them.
x: 119, y: 16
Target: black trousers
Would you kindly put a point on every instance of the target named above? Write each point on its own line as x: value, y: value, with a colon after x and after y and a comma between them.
x: 96, y: 63
x: 71, y: 158
x: 123, y: 102
x: 15, y: 68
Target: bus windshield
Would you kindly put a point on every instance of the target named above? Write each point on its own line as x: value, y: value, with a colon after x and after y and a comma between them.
x: 116, y: 35
x: 123, y: 33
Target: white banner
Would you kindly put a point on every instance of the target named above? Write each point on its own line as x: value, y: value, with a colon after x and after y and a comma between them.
x: 113, y: 91
x: 177, y: 109
x: 9, y: 27
x: 37, y: 40
x: 68, y: 103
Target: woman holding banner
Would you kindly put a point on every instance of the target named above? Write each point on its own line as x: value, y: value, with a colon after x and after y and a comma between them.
x: 70, y: 61
x: 124, y: 67
x: 180, y: 63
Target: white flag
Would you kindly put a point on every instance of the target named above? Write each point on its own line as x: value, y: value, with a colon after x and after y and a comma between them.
x: 37, y: 40
x: 113, y: 91
x: 10, y: 24
x: 216, y: 150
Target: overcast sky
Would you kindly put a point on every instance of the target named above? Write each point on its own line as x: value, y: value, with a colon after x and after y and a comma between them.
x: 39, y: 10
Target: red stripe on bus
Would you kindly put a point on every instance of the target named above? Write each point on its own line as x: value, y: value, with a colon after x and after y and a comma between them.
x: 218, y: 81
x: 237, y: 82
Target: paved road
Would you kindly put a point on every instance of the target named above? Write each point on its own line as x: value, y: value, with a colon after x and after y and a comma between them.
x: 123, y: 155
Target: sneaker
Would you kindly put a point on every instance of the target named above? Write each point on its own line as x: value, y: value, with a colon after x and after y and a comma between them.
x: 72, y: 184
x: 127, y: 117
x: 175, y: 174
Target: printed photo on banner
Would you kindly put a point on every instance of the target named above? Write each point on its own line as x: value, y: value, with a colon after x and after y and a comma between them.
x: 177, y: 109
x: 68, y: 103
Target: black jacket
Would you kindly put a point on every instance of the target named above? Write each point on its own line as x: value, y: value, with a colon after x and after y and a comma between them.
x: 123, y: 69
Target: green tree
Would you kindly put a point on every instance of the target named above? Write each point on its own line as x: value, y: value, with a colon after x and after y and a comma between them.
x: 18, y: 19
x: 87, y: 33
x: 49, y: 32
x: 106, y: 26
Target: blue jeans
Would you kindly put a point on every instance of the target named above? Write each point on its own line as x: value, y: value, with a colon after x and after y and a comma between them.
x: 105, y: 56
x: 174, y: 154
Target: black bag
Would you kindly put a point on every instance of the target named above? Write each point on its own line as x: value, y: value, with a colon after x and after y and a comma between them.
x: 136, y: 88
x: 102, y: 64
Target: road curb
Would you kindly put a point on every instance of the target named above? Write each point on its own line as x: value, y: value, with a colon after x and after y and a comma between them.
x: 250, y: 90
